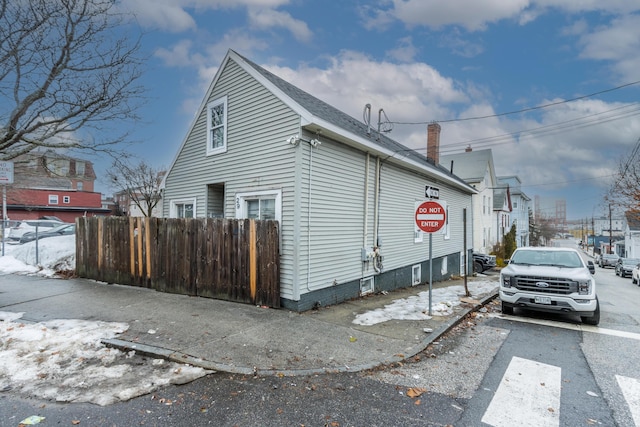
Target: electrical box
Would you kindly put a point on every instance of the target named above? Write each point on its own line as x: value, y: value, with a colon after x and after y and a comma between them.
x: 367, y: 254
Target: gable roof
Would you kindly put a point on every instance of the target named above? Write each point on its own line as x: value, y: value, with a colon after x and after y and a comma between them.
x: 633, y: 220
x: 320, y: 117
x: 471, y: 165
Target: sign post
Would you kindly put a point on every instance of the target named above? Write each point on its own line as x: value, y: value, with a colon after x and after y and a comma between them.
x: 430, y: 217
x: 6, y: 177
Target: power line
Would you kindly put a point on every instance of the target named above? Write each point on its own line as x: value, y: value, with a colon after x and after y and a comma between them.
x: 539, y: 107
x: 573, y: 124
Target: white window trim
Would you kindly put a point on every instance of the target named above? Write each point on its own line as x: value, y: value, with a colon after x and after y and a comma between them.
x: 53, y: 199
x: 66, y: 199
x: 241, y: 199
x: 173, y: 212
x: 418, y: 235
x: 210, y: 105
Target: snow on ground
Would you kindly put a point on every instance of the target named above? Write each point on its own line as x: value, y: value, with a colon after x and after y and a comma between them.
x: 416, y: 307
x: 65, y: 360
x: 53, y: 254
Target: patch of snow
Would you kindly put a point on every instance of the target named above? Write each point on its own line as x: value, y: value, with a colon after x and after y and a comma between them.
x: 416, y: 307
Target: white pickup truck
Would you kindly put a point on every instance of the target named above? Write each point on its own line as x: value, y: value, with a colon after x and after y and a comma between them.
x: 551, y: 280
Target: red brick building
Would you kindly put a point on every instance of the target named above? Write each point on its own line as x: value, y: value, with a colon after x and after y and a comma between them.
x: 50, y: 184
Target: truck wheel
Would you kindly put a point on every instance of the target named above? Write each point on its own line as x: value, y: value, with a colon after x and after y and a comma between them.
x: 507, y: 309
x: 477, y: 267
x: 595, y: 318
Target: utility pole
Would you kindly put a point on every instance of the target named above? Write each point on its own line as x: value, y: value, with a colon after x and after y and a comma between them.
x: 610, y: 242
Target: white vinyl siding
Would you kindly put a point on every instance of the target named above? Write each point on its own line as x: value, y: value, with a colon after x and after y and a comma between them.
x: 258, y: 158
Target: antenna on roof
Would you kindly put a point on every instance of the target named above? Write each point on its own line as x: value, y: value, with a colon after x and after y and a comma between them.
x: 366, y: 118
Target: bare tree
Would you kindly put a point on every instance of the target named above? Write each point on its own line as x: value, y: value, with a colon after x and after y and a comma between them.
x: 140, y: 182
x: 625, y: 190
x: 65, y: 66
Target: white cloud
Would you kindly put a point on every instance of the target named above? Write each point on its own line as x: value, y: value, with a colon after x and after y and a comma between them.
x: 618, y: 42
x: 163, y: 15
x: 404, y: 52
x: 268, y: 18
x: 475, y: 15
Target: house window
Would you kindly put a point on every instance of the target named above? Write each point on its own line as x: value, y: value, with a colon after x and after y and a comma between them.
x: 79, y: 168
x: 185, y: 208
x: 217, y: 126
x: 53, y: 199
x: 66, y: 199
x: 259, y: 205
x: 79, y: 185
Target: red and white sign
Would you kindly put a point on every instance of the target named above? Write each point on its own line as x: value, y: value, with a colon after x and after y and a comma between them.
x: 431, y: 216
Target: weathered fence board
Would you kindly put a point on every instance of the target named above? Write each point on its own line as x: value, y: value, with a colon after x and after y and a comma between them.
x: 230, y: 259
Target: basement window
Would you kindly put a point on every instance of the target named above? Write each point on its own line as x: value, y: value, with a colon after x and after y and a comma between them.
x: 416, y: 275
x: 366, y: 285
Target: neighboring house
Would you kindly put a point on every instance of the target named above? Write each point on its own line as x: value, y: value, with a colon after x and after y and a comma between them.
x: 502, y: 211
x: 632, y: 235
x: 126, y: 206
x: 344, y: 195
x: 51, y: 184
x: 521, y: 205
x: 476, y: 169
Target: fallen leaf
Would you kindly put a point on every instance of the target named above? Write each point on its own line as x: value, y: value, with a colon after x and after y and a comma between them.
x: 415, y: 391
x: 75, y: 422
x: 417, y: 402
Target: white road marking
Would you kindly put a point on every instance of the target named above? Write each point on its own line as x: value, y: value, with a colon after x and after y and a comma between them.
x: 573, y: 326
x: 528, y: 395
x: 631, y: 391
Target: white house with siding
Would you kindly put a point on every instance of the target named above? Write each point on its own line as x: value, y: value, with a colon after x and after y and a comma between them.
x: 521, y: 205
x: 344, y: 195
x: 476, y: 168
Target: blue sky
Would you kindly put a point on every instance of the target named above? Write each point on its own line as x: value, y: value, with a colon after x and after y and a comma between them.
x: 423, y: 61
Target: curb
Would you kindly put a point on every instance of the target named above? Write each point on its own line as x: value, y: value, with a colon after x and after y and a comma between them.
x: 178, y: 357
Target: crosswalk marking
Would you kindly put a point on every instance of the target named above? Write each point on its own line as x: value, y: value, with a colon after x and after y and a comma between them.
x: 572, y: 326
x: 528, y: 395
x: 631, y: 391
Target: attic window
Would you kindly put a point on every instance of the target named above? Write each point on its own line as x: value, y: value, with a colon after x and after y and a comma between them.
x: 217, y: 126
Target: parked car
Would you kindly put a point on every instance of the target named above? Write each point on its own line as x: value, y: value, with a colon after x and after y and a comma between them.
x: 608, y: 260
x: 624, y: 266
x: 550, y: 280
x: 635, y: 274
x: 483, y: 262
x: 61, y: 230
x: 24, y: 226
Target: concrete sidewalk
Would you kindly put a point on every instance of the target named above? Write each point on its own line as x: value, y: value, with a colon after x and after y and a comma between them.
x: 234, y: 337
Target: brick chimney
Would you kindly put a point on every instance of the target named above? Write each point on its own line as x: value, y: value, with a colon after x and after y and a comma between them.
x: 433, y: 142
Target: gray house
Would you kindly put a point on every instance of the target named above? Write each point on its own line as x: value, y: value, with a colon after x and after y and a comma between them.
x: 344, y: 195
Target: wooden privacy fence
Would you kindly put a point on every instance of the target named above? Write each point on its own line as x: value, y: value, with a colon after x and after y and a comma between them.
x: 229, y: 259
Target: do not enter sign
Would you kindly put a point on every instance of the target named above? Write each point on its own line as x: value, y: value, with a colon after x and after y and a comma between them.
x: 430, y: 216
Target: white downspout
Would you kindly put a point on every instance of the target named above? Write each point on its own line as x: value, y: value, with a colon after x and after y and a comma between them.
x: 365, y: 227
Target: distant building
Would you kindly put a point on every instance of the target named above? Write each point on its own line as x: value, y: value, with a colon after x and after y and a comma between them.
x: 51, y: 184
x: 552, y: 209
x: 520, y: 205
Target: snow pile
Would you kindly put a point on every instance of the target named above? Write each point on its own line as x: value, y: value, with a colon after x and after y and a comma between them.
x: 54, y: 254
x: 416, y: 307
x: 65, y: 361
